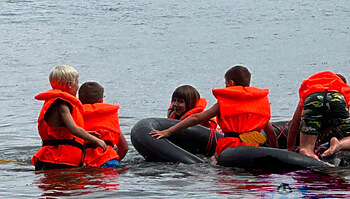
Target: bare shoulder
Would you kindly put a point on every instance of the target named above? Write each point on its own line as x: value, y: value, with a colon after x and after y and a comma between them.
x: 63, y: 106
x: 54, y: 114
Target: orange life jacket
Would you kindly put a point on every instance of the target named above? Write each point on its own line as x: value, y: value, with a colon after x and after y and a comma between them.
x: 60, y: 146
x: 242, y: 109
x: 322, y: 81
x: 102, y: 118
x: 199, y: 107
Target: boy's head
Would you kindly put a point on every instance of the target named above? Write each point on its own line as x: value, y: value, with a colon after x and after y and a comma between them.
x: 90, y: 93
x: 64, y: 78
x: 189, y: 94
x: 239, y: 75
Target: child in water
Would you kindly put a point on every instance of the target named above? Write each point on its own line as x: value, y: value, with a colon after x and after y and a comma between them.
x: 102, y: 118
x: 242, y: 111
x: 60, y: 123
x: 323, y: 106
x: 186, y: 101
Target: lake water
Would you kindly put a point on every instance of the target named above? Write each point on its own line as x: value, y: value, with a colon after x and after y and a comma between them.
x: 140, y: 51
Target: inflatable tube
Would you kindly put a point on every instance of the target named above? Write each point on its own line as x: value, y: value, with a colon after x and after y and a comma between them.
x: 340, y: 159
x: 183, y: 147
x: 250, y: 157
x: 180, y: 147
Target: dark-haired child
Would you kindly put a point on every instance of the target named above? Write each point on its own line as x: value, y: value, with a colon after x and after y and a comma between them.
x: 102, y: 118
x: 186, y: 101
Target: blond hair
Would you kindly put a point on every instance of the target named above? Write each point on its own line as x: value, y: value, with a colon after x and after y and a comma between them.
x: 61, y: 75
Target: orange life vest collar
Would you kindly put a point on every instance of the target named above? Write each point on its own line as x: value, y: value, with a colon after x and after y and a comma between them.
x: 56, y: 93
x: 90, y: 110
x: 199, y: 107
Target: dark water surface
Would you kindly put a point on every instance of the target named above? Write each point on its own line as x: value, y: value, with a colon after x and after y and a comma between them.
x: 140, y: 51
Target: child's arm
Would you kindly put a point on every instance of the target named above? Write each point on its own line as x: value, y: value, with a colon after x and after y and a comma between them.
x: 189, y: 121
x: 271, y: 136
x: 69, y: 122
x: 294, y: 127
x: 122, y: 146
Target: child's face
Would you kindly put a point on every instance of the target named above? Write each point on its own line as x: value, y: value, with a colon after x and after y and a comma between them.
x: 179, y: 106
x: 74, y: 87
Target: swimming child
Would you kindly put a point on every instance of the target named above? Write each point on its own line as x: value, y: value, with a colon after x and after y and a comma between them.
x: 102, y: 118
x: 186, y: 101
x: 60, y: 123
x: 323, y: 106
x: 242, y: 112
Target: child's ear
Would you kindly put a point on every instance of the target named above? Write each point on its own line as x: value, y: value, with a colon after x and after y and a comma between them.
x: 231, y: 83
x: 70, y: 84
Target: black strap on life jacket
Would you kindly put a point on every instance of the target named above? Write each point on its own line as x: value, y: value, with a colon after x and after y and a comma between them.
x: 231, y: 134
x: 57, y: 142
x: 71, y: 142
x: 91, y: 145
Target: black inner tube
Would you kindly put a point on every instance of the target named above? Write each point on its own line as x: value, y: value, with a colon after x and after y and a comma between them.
x: 180, y: 147
x: 183, y: 147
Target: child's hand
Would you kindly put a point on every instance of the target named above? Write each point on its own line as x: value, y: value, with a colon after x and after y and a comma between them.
x: 101, y: 143
x: 94, y: 133
x: 160, y: 134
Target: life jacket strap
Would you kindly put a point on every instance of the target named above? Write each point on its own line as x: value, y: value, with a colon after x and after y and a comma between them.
x: 71, y: 142
x: 57, y: 142
x: 91, y: 145
x: 231, y: 134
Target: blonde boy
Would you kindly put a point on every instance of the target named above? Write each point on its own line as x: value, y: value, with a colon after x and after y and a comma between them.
x: 60, y: 123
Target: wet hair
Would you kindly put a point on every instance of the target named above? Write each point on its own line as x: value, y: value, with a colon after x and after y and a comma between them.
x: 342, y: 77
x: 90, y: 92
x: 189, y: 94
x: 61, y: 75
x: 239, y: 74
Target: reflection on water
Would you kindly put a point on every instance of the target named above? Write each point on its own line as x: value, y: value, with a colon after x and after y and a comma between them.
x: 309, y: 184
x: 164, y: 180
x: 77, y: 181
